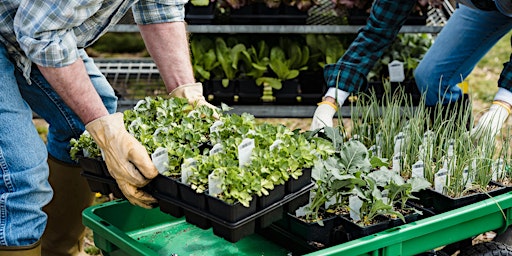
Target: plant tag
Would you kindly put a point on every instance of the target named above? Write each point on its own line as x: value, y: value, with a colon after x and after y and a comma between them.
x: 440, y: 180
x: 187, y: 169
x: 397, y: 162
x: 275, y: 144
x: 216, y: 149
x: 214, y: 184
x: 466, y: 178
x: 418, y: 170
x: 396, y: 71
x: 192, y: 113
x: 373, y: 149
x: 139, y: 104
x: 497, y: 169
x: 86, y: 152
x: 354, y: 203
x: 245, y: 151
x: 215, y: 126
x: 160, y: 159
x: 399, y: 141
x: 451, y: 144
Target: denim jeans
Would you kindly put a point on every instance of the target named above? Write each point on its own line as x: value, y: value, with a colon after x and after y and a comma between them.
x: 468, y: 35
x: 24, y: 186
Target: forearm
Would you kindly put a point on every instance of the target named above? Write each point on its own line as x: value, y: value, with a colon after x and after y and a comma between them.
x: 167, y: 43
x: 74, y: 86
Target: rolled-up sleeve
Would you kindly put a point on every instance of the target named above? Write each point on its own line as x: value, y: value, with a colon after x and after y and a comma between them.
x: 44, y: 29
x: 159, y: 11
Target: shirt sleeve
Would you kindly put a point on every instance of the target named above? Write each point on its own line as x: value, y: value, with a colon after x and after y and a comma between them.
x: 385, y: 20
x: 158, y: 11
x: 44, y: 29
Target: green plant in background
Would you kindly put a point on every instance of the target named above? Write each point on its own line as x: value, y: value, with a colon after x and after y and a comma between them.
x: 286, y: 64
x: 407, y: 48
x: 204, y: 59
x: 256, y: 60
x: 228, y: 57
x: 325, y: 49
x: 200, y: 2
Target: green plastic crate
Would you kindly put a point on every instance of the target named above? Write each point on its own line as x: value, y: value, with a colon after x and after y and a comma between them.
x: 120, y: 228
x: 123, y: 229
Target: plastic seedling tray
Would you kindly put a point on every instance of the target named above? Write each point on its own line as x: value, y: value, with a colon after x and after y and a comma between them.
x: 233, y: 231
x: 120, y: 228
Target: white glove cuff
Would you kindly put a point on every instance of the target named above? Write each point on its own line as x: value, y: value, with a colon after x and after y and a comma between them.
x: 504, y: 95
x: 337, y: 94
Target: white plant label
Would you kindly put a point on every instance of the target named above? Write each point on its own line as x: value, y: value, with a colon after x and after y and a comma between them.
x: 399, y: 142
x: 396, y: 71
x: 385, y: 198
x: 245, y: 151
x: 440, y: 180
x: 192, y: 113
x: 397, y: 163
x: 187, y: 169
x: 466, y: 178
x: 418, y: 170
x: 497, y: 169
x: 86, y: 152
x: 354, y: 203
x: 275, y: 144
x: 451, y: 144
x: 216, y: 149
x: 160, y: 159
x: 214, y: 184
x: 215, y: 126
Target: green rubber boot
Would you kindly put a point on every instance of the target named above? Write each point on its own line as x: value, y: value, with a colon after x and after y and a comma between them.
x: 29, y: 250
x: 64, y: 233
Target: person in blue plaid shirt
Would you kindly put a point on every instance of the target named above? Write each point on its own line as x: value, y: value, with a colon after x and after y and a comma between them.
x: 45, y: 69
x: 474, y: 27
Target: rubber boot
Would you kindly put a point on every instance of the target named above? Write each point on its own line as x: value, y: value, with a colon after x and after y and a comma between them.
x: 29, y: 250
x: 64, y: 233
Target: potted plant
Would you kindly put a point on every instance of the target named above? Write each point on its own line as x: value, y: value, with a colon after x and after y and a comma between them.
x: 228, y: 54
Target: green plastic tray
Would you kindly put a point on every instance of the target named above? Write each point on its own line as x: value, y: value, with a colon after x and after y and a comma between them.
x: 120, y: 228
x: 123, y: 229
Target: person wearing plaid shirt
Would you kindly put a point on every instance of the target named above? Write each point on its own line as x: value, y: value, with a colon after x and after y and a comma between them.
x: 474, y: 27
x: 45, y: 69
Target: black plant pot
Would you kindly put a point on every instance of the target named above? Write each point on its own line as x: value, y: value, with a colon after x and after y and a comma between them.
x: 263, y: 202
x: 200, y: 15
x: 312, y: 87
x: 249, y: 92
x: 288, y: 93
x: 352, y: 230
x: 198, y: 202
x: 98, y: 177
x: 312, y: 232
x: 223, y: 94
x: 294, y: 185
x: 167, y: 186
x: 234, y: 227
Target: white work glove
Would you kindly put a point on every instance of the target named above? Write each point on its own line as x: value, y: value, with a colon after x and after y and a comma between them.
x: 126, y: 159
x: 325, y: 111
x: 194, y: 94
x: 492, y: 121
x: 323, y: 115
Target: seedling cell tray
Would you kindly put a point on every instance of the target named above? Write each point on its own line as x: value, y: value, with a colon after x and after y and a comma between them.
x: 241, y: 227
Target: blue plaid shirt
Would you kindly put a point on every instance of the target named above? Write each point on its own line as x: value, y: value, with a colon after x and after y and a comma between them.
x: 385, y: 20
x: 50, y: 32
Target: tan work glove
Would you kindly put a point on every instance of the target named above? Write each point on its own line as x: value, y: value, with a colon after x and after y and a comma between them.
x: 323, y: 115
x: 491, y: 122
x: 126, y: 159
x: 194, y: 94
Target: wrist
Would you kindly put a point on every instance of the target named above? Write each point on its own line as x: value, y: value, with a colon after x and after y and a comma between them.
x: 503, y: 104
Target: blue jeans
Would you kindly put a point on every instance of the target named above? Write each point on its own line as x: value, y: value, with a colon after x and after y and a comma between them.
x: 24, y: 186
x: 463, y: 41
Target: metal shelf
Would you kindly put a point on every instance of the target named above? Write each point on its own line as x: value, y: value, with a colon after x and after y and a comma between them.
x: 280, y: 29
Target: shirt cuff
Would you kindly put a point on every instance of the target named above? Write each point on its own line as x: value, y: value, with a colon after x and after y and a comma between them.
x: 504, y: 95
x: 339, y: 95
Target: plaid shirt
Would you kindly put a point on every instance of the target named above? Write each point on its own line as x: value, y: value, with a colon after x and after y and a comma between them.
x: 50, y: 32
x: 386, y: 19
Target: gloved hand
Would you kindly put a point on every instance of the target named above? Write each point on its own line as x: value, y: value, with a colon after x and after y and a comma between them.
x: 323, y: 115
x: 491, y: 122
x: 194, y: 94
x: 126, y: 159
